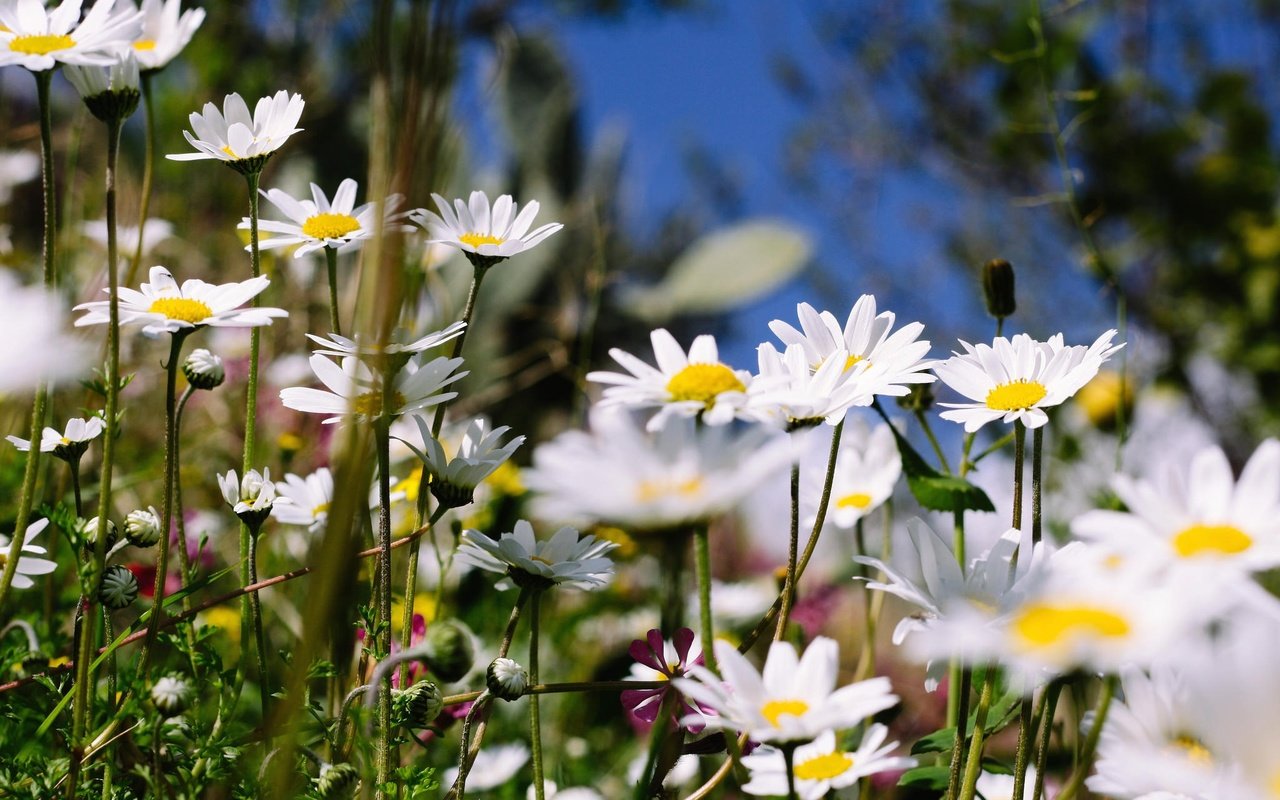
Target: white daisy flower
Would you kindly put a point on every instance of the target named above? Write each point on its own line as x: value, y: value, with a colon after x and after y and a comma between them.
x: 231, y: 135
x: 794, y: 699
x: 162, y: 306
x: 16, y: 166
x: 355, y: 389
x: 683, y: 474
x: 118, y: 77
x: 683, y: 384
x: 309, y: 499
x: 474, y: 228
x: 493, y: 767
x: 478, y: 455
x: 34, y: 321
x: 993, y: 786
x: 69, y: 443
x: 564, y: 559
x: 868, y: 467
x: 317, y: 223
x: 28, y: 565
x: 153, y: 232
x: 788, y: 392
x: 821, y: 766
x: 341, y: 346
x: 1016, y: 379
x: 889, y: 361
x: 1196, y: 515
x: 40, y: 39
x: 253, y: 495
x: 166, y: 31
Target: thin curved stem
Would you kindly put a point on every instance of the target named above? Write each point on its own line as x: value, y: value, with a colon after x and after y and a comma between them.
x: 1091, y: 742
x: 382, y: 442
x: 411, y: 591
x: 260, y: 640
x: 331, y: 265
x: 793, y: 557
x: 1046, y: 735
x: 535, y: 728
x: 973, y: 766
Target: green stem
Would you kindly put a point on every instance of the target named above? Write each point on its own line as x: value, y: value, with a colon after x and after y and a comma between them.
x: 251, y: 409
x: 148, y: 167
x: 331, y: 262
x: 1026, y: 732
x: 535, y: 729
x: 184, y: 558
x: 868, y: 654
x: 411, y: 591
x: 674, y: 548
x: 1046, y: 734
x: 479, y: 270
x: 933, y: 440
x: 43, y: 81
x: 973, y: 767
x: 382, y: 442
x: 789, y: 587
x: 789, y: 758
x: 1091, y: 742
x: 259, y: 638
x: 960, y: 689
x: 702, y: 556
x: 1037, y: 475
x: 1019, y: 455
x: 73, y: 466
x: 956, y: 669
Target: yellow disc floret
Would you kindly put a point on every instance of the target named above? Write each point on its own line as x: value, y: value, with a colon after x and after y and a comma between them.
x: 652, y: 491
x: 144, y: 44
x: 1016, y: 395
x: 330, y: 226
x: 477, y: 239
x: 774, y: 709
x: 1044, y: 625
x: 1199, y: 540
x: 703, y: 383
x: 855, y: 500
x: 41, y: 44
x: 370, y: 403
x: 824, y: 767
x: 183, y: 309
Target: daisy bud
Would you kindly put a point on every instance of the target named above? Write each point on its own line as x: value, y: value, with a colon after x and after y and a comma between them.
x: 451, y: 495
x: 90, y: 532
x: 142, y: 527
x: 419, y: 705
x: 110, y: 93
x: 203, y: 369
x: 337, y: 781
x: 998, y: 287
x: 33, y: 663
x: 176, y: 732
x: 449, y: 649
x: 119, y: 588
x: 171, y: 695
x: 506, y: 679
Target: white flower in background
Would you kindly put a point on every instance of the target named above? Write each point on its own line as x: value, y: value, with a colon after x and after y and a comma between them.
x: 788, y: 392
x: 318, y: 223
x: 1016, y: 379
x: 564, y: 559
x: 341, y: 346
x: 1196, y: 515
x: 479, y: 454
x: 28, y: 565
x: 689, y: 384
x: 153, y: 233
x: 16, y: 167
x: 166, y: 31
x: 550, y: 790
x: 821, y: 766
x: 475, y: 228
x: 354, y: 389
x: 162, y: 306
x: 685, y: 770
x: 117, y: 77
x: 40, y: 39
x: 889, y: 361
x: 621, y: 475
x: 6, y: 244
x: 252, y: 497
x: 794, y: 699
x: 34, y: 321
x: 868, y: 467
x: 69, y: 443
x: 992, y: 786
x: 493, y: 767
x: 233, y: 136
x: 309, y: 499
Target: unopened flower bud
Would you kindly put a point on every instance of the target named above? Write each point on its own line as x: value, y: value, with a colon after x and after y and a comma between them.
x: 419, y: 705
x: 119, y: 588
x: 449, y: 649
x: 337, y: 781
x: 170, y: 695
x: 90, y: 531
x: 506, y: 679
x: 998, y: 287
x: 142, y: 527
x: 203, y: 369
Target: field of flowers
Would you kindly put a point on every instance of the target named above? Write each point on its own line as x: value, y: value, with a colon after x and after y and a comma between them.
x: 378, y: 488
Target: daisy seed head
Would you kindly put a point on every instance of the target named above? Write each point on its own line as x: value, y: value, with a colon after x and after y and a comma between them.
x: 203, y: 369
x: 119, y: 588
x: 171, y: 695
x: 506, y: 679
x: 142, y: 527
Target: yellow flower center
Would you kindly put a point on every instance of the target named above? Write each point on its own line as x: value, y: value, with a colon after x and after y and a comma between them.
x: 823, y: 767
x: 1042, y: 625
x: 226, y: 148
x: 145, y: 44
x: 323, y: 508
x: 1193, y: 749
x: 64, y: 440
x: 1016, y: 395
x: 181, y: 308
x: 477, y: 239
x: 41, y: 44
x: 541, y: 560
x: 774, y: 709
x: 1275, y: 785
x: 703, y: 382
x: 370, y: 403
x: 1200, y: 540
x: 855, y: 500
x: 848, y: 363
x: 330, y: 226
x: 651, y: 491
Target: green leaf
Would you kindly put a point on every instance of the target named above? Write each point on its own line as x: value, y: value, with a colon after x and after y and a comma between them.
x: 949, y: 493
x: 925, y: 778
x: 1001, y: 713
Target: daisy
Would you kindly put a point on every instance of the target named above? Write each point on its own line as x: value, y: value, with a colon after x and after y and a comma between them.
x: 243, y: 142
x: 69, y: 444
x: 492, y: 234
x: 27, y: 565
x: 251, y: 498
x: 341, y: 346
x: 792, y: 700
x: 16, y: 166
x: 992, y: 786
x: 166, y: 31
x: 821, y: 766
x: 1195, y: 515
x: 564, y: 559
x: 317, y: 223
x: 479, y: 454
x: 493, y: 767
x: 867, y: 468
x: 681, y: 475
x: 120, y: 78
x: 891, y: 360
x: 153, y: 232
x: 309, y: 499
x: 1015, y: 380
x: 40, y: 39
x: 34, y: 321
x: 788, y: 392
x: 658, y: 659
x: 162, y: 306
x: 683, y: 384
x: 354, y: 389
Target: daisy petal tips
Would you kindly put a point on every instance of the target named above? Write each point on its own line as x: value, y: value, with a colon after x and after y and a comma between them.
x: 490, y: 233
x: 242, y: 141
